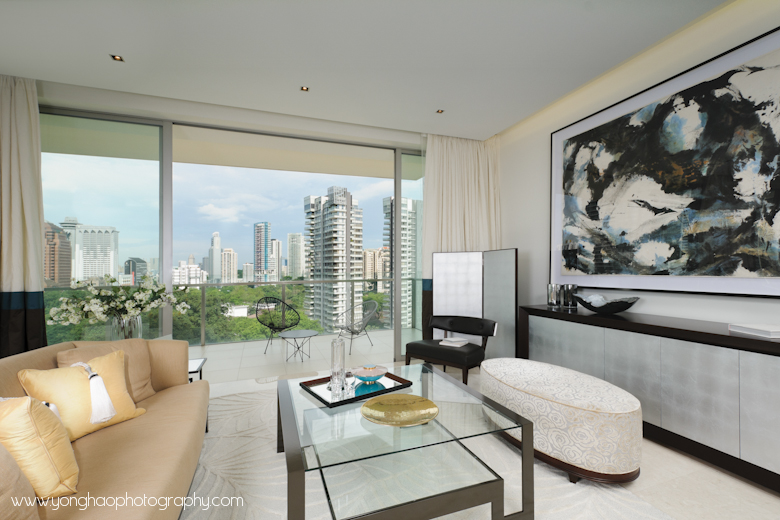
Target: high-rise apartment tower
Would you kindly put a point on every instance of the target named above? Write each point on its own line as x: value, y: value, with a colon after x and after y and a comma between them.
x: 56, y: 256
x: 276, y: 260
x: 295, y: 252
x: 229, y: 266
x: 410, y: 244
x: 334, y: 245
x: 94, y: 249
x: 263, y: 257
x: 215, y: 258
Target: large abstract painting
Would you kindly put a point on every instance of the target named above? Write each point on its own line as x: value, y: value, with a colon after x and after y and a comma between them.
x: 681, y: 192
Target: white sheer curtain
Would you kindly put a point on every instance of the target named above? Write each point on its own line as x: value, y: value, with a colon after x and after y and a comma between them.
x: 22, y: 321
x: 462, y: 210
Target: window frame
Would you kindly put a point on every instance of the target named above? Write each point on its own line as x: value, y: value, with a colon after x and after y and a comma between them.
x: 166, y: 196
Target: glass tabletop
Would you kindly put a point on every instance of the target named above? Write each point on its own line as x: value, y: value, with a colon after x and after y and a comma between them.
x: 333, y: 436
x: 302, y: 333
x: 358, y: 488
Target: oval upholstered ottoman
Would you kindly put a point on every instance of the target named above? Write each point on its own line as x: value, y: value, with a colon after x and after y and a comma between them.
x: 583, y: 425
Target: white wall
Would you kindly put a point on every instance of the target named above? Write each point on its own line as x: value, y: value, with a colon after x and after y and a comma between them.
x: 525, y: 158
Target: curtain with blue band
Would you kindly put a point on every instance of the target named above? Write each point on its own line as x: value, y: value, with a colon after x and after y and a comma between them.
x: 22, y: 312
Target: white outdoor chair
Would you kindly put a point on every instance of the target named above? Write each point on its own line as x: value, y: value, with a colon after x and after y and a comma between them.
x: 356, y: 327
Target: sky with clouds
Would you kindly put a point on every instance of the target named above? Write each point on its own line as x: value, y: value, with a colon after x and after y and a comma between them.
x: 124, y: 193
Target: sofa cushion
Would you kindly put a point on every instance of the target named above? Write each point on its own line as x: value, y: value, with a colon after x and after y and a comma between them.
x: 44, y: 358
x: 469, y: 354
x: 69, y: 389
x: 138, y: 368
x: 155, y: 454
x: 170, y: 362
x: 39, y: 443
x: 15, y: 486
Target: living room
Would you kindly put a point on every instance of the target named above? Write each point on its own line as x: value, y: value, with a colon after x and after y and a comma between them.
x: 223, y: 119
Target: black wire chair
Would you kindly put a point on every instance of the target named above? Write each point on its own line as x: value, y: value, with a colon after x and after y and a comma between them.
x: 354, y: 325
x: 276, y: 315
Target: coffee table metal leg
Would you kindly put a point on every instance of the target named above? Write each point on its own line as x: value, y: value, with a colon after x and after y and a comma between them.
x: 491, y: 492
x: 279, y: 436
x: 296, y: 477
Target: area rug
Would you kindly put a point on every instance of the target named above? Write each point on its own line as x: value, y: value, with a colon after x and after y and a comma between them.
x: 239, y: 459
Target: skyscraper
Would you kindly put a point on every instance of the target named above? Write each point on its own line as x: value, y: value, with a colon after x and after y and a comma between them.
x: 56, y: 256
x: 276, y: 260
x: 191, y: 260
x: 376, y: 264
x: 229, y: 266
x: 186, y: 273
x: 295, y: 251
x: 334, y: 243
x: 215, y: 258
x: 410, y: 244
x: 153, y: 267
x: 94, y: 249
x: 249, y: 273
x: 263, y: 258
x: 137, y: 268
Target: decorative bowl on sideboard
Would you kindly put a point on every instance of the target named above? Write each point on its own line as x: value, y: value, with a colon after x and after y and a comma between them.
x: 608, y: 306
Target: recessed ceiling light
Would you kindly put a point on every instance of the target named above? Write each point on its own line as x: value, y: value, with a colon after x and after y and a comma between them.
x: 305, y: 89
x: 116, y: 58
x: 440, y: 111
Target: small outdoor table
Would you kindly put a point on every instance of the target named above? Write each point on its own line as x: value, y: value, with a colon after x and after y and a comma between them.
x: 298, y: 339
x: 196, y: 367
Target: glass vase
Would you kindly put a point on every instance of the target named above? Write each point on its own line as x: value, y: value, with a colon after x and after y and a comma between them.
x: 125, y: 328
x: 337, y: 365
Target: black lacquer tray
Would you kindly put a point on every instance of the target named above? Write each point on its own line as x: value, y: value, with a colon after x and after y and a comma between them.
x: 388, y: 383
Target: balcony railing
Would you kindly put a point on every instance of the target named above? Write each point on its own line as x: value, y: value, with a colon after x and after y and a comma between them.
x: 217, y: 313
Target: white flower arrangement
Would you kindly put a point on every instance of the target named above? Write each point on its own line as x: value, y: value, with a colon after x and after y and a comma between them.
x: 112, y: 300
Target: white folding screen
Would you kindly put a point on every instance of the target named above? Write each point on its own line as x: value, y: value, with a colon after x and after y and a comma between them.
x: 500, y: 301
x: 479, y: 285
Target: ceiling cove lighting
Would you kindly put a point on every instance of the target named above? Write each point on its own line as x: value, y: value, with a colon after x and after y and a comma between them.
x: 305, y: 89
x: 117, y: 58
x: 440, y: 111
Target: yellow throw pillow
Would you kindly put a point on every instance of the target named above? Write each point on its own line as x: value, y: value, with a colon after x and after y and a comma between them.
x: 17, y: 497
x: 38, y: 442
x: 138, y: 368
x: 68, y: 388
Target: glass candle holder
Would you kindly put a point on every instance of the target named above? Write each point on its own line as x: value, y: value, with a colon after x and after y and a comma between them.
x: 337, y: 365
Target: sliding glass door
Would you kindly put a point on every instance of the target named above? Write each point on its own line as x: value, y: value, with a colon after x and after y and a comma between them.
x: 235, y: 217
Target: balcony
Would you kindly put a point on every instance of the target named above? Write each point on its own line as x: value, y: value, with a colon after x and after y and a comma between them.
x: 234, y: 345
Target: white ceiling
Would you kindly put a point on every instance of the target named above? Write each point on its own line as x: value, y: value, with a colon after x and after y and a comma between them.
x: 389, y: 64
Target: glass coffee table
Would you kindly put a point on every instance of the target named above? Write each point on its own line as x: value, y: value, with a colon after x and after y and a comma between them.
x: 382, y: 472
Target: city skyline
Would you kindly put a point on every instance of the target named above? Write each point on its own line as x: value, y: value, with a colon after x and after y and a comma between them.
x: 207, y: 199
x: 220, y: 199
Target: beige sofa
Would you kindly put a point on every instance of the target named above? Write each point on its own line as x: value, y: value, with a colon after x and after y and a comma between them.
x: 155, y: 454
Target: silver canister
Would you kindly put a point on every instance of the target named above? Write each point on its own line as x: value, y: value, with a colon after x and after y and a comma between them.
x: 553, y: 295
x: 567, y: 297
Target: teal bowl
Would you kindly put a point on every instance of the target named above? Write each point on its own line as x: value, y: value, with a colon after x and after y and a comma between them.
x: 369, y: 373
x: 368, y: 388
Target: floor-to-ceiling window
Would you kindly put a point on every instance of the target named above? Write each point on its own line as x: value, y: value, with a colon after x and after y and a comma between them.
x: 299, y: 220
x: 235, y: 216
x: 101, y: 198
